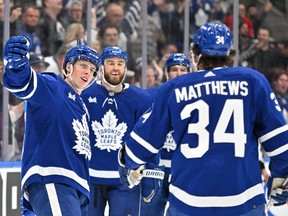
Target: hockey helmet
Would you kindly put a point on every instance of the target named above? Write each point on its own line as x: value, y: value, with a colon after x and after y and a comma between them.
x: 178, y: 59
x: 82, y: 52
x: 213, y: 39
x: 113, y: 52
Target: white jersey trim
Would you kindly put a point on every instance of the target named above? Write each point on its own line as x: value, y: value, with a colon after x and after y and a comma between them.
x: 278, y: 151
x: 166, y: 163
x: 142, y: 142
x: 273, y: 133
x: 103, y: 173
x: 132, y: 156
x: 47, y: 171
x: 34, y: 77
x: 214, y: 201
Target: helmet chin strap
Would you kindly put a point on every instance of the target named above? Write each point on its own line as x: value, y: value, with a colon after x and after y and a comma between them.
x: 111, y: 85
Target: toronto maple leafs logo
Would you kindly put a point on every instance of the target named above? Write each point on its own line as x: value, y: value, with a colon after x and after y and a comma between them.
x: 169, y: 144
x: 82, y: 132
x: 108, y: 134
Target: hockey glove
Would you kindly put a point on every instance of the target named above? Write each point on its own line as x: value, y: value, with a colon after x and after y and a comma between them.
x: 16, y: 53
x: 152, y: 182
x: 279, y: 192
x: 129, y: 178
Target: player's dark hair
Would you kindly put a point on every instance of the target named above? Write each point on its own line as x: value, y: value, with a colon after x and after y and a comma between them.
x: 209, y: 62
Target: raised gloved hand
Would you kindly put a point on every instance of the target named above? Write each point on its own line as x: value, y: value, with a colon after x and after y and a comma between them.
x: 129, y: 178
x: 152, y: 182
x: 16, y: 53
x: 279, y: 192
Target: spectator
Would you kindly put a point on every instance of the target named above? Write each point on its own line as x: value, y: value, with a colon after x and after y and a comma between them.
x: 242, y: 18
x: 74, y: 32
x: 109, y: 35
x: 244, y: 39
x: 280, y: 87
x: 15, y: 14
x: 115, y: 15
x: 200, y: 10
x: 262, y: 55
x: 51, y: 30
x: 245, y: 42
x: 218, y: 12
x: 151, y: 77
x: 97, y: 45
x: 130, y: 77
x: 256, y: 18
x: 29, y: 26
x: 171, y: 23
x: 56, y: 61
x: 168, y: 49
x: 73, y: 13
x: 282, y: 49
x: 38, y: 63
x: 126, y: 22
x: 12, y: 148
x: 135, y: 47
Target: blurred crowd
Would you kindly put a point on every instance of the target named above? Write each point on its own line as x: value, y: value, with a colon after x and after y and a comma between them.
x: 55, y: 26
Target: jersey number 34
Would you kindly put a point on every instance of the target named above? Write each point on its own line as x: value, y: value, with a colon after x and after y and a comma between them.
x: 233, y: 108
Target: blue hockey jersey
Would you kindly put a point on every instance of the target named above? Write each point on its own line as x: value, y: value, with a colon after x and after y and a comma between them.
x: 169, y: 146
x: 218, y: 117
x: 113, y: 116
x: 56, y: 143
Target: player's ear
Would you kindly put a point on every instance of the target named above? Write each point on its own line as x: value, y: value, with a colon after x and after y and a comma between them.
x: 68, y: 68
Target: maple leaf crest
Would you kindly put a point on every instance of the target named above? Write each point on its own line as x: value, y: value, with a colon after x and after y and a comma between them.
x: 108, y: 134
x: 170, y: 144
x: 82, y: 133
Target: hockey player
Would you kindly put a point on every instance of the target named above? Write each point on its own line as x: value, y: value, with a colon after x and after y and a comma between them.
x: 176, y: 64
x: 114, y: 109
x: 56, y: 154
x: 218, y: 115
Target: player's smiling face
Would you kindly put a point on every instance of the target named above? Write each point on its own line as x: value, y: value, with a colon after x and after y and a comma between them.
x: 114, y: 70
x: 82, y: 73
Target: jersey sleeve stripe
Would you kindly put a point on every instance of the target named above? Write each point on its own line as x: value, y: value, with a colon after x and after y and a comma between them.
x: 216, y: 201
x: 33, y: 74
x: 34, y: 77
x: 145, y: 144
x: 132, y: 156
x: 278, y: 151
x: 273, y: 133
